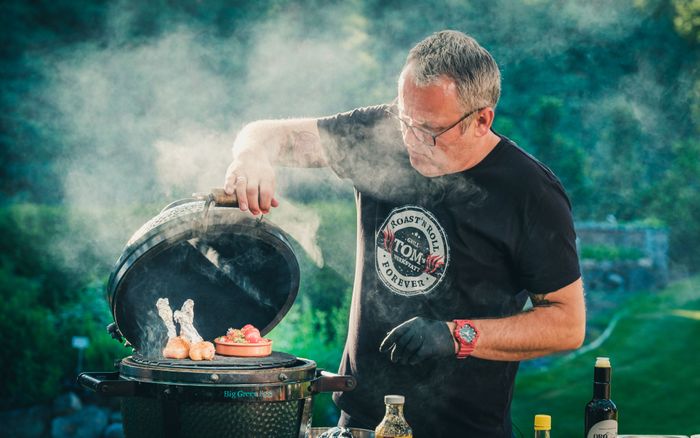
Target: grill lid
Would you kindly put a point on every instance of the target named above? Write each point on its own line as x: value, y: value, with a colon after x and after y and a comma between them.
x: 237, y: 269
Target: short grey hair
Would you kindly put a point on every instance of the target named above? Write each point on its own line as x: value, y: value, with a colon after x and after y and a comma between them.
x: 458, y: 56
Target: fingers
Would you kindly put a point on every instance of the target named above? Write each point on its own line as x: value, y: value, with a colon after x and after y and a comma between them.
x: 387, y: 344
x: 254, y: 187
x: 240, y: 187
x: 267, y: 188
x: 407, y: 348
x: 399, y: 349
x: 402, y: 342
x: 253, y: 195
x: 395, y: 334
x: 412, y: 341
x: 391, y: 337
x: 252, y: 190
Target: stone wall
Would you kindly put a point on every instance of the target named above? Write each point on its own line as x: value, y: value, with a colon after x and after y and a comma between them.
x: 68, y: 416
x: 649, y: 271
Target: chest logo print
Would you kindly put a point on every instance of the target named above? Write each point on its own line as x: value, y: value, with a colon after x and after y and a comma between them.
x: 411, y: 251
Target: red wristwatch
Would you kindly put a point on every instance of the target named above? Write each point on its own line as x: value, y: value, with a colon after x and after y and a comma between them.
x: 466, y: 335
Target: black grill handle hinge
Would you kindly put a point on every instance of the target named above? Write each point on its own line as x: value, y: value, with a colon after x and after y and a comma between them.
x: 108, y: 384
x: 114, y: 332
x: 331, y: 382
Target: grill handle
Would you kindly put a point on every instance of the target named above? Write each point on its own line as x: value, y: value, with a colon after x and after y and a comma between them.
x: 331, y: 382
x: 219, y: 197
x: 108, y: 384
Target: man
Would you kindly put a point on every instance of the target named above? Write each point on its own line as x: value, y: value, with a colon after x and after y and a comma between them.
x: 457, y: 227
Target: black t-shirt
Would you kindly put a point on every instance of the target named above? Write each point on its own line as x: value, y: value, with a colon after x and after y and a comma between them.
x: 468, y: 245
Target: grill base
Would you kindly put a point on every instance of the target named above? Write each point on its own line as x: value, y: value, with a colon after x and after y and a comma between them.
x: 153, y: 418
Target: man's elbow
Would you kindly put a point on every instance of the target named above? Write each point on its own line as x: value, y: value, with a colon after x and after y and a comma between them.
x: 575, y: 337
x: 578, y: 338
x: 573, y: 317
x: 571, y: 331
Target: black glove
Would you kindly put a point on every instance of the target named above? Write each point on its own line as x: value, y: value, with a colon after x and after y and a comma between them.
x: 418, y: 339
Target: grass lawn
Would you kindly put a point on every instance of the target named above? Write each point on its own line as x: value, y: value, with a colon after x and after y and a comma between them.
x: 655, y: 354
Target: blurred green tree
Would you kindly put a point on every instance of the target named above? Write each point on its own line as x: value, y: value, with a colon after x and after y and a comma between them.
x: 565, y: 157
x: 45, y: 303
x: 676, y: 200
x: 687, y: 20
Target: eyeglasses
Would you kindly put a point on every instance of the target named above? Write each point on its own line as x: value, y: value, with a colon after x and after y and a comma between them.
x: 423, y: 135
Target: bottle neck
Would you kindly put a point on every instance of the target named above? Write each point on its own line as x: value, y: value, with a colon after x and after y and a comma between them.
x: 394, y: 409
x: 601, y: 390
x: 601, y: 382
x: 542, y: 434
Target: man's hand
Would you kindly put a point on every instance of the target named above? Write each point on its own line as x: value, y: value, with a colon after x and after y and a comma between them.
x: 261, y: 145
x: 418, y: 339
x: 252, y: 179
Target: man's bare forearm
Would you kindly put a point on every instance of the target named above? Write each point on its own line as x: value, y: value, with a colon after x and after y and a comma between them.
x: 557, y: 322
x: 293, y: 142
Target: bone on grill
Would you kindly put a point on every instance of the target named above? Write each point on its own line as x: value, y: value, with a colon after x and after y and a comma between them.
x: 185, y: 317
x: 166, y: 314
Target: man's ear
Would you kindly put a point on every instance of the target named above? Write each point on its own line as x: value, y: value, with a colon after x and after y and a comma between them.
x: 484, y: 120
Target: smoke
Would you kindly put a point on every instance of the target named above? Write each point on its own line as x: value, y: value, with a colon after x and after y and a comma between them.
x: 303, y: 226
x: 132, y: 108
x: 150, y: 121
x: 186, y: 161
x: 144, y: 121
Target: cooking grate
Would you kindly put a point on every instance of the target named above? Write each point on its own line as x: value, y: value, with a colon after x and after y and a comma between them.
x: 275, y: 360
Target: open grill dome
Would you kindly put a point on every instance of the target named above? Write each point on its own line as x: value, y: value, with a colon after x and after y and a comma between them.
x: 237, y: 269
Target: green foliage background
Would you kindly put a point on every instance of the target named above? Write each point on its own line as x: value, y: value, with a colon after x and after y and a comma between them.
x: 98, y: 98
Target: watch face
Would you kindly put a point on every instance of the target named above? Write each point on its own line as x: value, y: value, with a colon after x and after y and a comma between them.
x: 467, y: 333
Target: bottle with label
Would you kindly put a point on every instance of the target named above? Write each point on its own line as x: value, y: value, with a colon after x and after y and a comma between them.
x: 601, y: 412
x: 393, y: 424
x: 543, y: 425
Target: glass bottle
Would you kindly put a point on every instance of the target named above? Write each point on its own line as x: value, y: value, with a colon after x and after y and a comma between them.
x: 393, y: 424
x: 601, y: 412
x: 543, y: 425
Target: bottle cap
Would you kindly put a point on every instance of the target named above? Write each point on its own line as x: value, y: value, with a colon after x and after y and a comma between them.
x: 602, y: 362
x: 543, y: 422
x: 394, y: 399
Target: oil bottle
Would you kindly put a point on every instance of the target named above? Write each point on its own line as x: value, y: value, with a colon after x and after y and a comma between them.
x: 393, y: 424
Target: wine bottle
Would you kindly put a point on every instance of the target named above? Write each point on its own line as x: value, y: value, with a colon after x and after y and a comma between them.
x: 601, y: 412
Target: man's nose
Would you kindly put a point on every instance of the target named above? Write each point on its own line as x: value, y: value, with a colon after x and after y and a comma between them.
x: 412, y: 142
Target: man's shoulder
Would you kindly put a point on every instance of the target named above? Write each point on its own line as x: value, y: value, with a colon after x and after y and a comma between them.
x: 522, y: 167
x: 516, y: 178
x: 361, y: 144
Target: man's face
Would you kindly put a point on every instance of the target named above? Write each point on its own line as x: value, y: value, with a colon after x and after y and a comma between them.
x: 430, y: 109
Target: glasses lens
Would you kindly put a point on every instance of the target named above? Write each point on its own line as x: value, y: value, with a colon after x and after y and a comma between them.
x: 421, y: 135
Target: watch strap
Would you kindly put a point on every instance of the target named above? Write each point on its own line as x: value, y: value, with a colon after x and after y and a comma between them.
x: 466, y: 344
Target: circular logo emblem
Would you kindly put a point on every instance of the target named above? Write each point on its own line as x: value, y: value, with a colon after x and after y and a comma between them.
x: 412, y: 251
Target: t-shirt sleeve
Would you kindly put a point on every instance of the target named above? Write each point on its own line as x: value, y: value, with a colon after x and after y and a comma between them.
x: 351, y: 140
x: 547, y: 257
